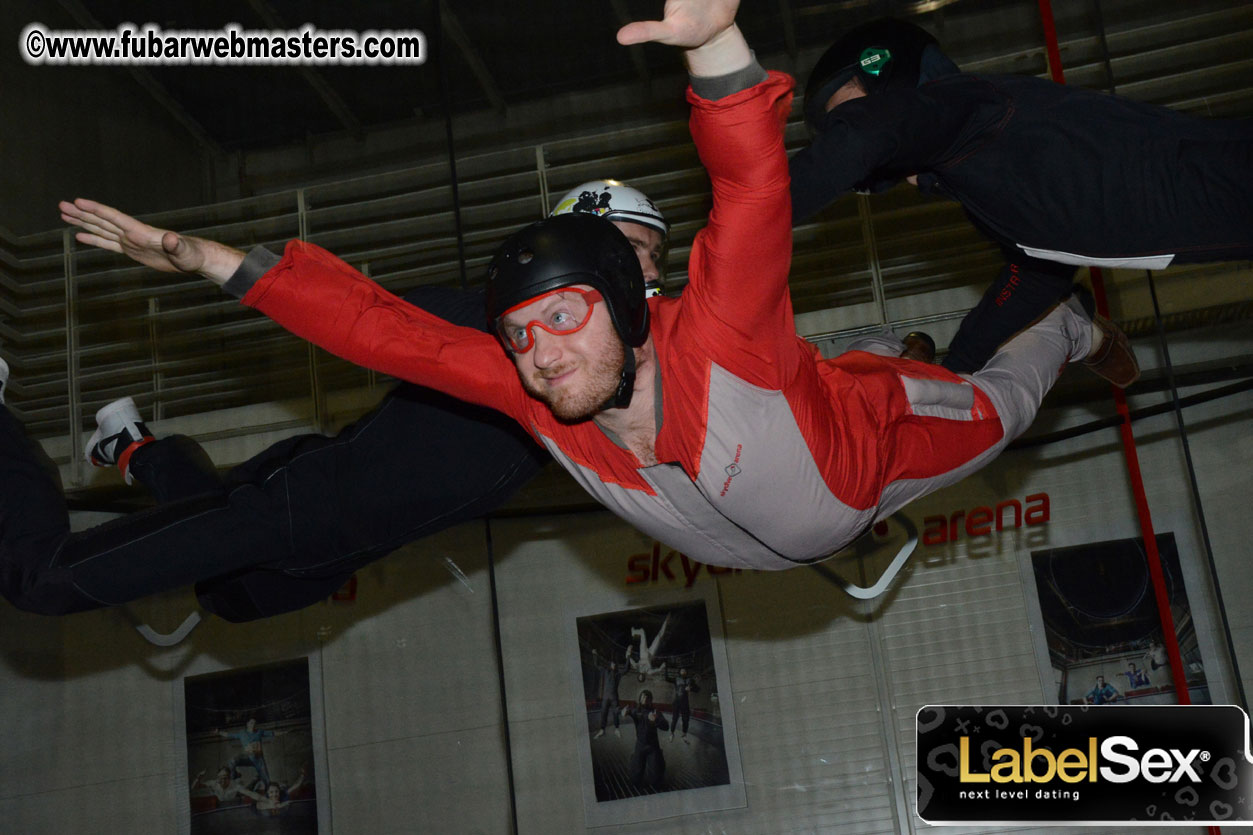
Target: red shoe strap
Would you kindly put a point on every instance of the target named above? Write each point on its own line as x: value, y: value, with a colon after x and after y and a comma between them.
x: 124, y: 460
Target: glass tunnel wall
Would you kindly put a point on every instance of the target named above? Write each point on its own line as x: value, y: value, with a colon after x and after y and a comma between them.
x: 458, y: 684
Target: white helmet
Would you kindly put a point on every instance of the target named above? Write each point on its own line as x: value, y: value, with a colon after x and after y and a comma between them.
x: 613, y: 200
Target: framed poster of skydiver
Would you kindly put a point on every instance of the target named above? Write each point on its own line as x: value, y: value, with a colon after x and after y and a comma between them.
x: 655, y: 720
x: 1103, y: 626
x: 255, y: 757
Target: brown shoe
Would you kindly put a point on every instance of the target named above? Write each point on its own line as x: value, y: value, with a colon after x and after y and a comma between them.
x: 919, y: 346
x: 1114, y: 360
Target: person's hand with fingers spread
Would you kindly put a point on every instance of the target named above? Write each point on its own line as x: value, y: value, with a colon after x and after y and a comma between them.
x: 107, y: 228
x: 705, y: 28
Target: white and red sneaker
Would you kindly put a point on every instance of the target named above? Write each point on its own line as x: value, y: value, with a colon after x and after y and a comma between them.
x: 120, y: 432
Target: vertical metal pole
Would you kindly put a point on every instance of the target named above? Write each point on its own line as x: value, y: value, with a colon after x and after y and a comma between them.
x: 901, y: 807
x: 371, y: 376
x: 500, y: 676
x: 1196, y: 491
x: 154, y: 309
x: 872, y: 256
x: 541, y: 171
x: 315, y: 382
x: 71, y: 355
x: 1104, y: 44
x: 453, y: 179
x: 1130, y: 452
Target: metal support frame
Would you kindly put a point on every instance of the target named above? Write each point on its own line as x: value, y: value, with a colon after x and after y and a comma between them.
x: 71, y: 354
x: 872, y: 256
x: 317, y: 394
x: 541, y: 172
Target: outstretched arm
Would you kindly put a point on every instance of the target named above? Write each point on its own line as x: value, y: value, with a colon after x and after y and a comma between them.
x: 739, y: 262
x: 331, y: 305
x: 652, y: 649
x: 249, y: 793
x: 107, y: 228
x: 300, y: 781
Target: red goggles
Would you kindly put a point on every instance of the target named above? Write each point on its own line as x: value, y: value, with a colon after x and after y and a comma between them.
x: 568, y: 313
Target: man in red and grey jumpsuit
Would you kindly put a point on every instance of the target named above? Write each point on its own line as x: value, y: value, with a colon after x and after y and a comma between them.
x: 767, y: 455
x: 763, y: 455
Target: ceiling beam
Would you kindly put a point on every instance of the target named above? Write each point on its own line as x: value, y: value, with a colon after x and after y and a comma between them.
x: 150, y: 85
x: 788, y: 17
x: 452, y: 29
x: 333, y: 101
x: 636, y: 51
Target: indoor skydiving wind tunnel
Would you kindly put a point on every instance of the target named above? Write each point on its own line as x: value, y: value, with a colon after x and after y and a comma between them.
x: 456, y: 677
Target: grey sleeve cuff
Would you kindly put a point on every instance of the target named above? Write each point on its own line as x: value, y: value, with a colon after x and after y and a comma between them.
x: 256, y: 263
x: 714, y: 87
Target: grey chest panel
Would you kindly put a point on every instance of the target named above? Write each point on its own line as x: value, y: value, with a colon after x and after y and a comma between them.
x: 759, y: 501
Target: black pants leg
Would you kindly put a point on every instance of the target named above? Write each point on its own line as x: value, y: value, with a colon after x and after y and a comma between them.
x: 288, y: 527
x: 654, y: 767
x: 1024, y: 290
x: 416, y: 464
x: 681, y: 709
x: 45, y: 568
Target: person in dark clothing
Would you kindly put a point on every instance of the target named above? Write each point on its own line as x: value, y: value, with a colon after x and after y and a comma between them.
x: 647, y: 765
x: 287, y: 528
x: 683, y: 685
x: 1059, y: 177
x: 609, y: 674
x: 283, y: 530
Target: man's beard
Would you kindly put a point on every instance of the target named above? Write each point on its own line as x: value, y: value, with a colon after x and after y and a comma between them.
x: 588, y: 396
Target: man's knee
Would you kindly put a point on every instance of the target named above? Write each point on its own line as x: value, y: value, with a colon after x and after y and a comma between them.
x: 43, y: 598
x: 175, y: 468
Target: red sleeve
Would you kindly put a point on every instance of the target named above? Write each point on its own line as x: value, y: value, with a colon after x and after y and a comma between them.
x: 738, y: 293
x: 318, y: 297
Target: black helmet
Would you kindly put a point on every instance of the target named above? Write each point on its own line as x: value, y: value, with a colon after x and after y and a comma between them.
x: 884, y: 54
x: 563, y: 251
x: 571, y: 249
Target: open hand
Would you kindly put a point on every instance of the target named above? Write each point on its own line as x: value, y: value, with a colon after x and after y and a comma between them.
x: 685, y: 23
x: 107, y: 228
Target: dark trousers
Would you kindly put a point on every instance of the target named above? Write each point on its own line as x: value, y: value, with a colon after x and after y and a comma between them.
x: 647, y: 766
x: 257, y: 761
x: 283, y: 530
x: 682, y: 708
x: 1024, y: 290
x: 1027, y: 288
x: 608, y: 706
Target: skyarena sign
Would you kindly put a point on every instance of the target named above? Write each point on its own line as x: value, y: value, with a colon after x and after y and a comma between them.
x: 1084, y: 764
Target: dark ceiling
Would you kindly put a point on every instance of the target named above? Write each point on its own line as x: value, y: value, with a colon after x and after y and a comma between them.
x: 492, y: 55
x: 498, y: 54
x: 495, y: 54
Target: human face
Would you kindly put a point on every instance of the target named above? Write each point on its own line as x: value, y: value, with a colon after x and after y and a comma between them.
x: 272, y: 792
x: 252, y: 725
x: 574, y: 373
x: 848, y: 91
x: 648, y: 244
